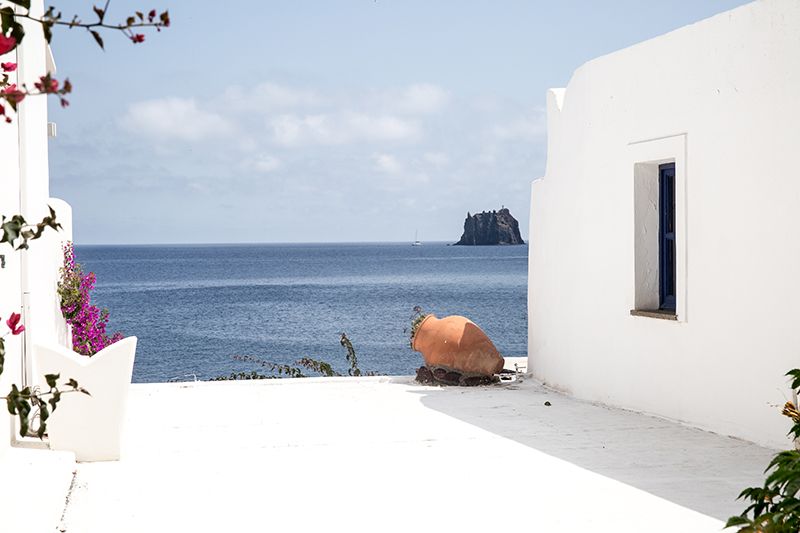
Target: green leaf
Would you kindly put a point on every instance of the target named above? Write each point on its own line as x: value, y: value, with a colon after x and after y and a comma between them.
x: 737, y: 521
x: 47, y: 28
x: 795, y: 373
x: 22, y: 3
x: 7, y: 18
x: 97, y: 39
x: 53, y: 401
x: 44, y: 414
x: 51, y: 379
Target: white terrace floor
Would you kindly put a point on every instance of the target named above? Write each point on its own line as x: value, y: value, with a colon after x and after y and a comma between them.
x: 386, y: 454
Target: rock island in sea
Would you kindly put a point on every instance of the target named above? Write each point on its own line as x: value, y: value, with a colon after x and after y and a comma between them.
x: 491, y: 227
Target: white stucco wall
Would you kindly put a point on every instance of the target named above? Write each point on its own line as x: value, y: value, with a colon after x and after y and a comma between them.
x: 28, y: 282
x: 720, y: 98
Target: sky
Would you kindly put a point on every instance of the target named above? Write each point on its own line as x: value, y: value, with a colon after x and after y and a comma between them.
x: 323, y: 121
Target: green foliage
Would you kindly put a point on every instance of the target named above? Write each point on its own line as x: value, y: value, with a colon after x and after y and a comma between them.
x: 351, y: 355
x: 320, y: 367
x: 21, y: 403
x: 775, y: 507
x: 316, y: 366
x: 10, y: 25
x: 17, y: 230
x: 416, y: 321
x: 235, y: 376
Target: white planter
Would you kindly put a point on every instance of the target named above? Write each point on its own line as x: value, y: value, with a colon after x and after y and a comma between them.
x: 89, y: 426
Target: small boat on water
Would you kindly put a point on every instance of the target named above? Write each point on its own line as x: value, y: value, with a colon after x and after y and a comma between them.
x: 416, y: 242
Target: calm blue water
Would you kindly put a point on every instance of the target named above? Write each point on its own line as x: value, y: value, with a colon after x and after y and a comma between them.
x: 194, y: 307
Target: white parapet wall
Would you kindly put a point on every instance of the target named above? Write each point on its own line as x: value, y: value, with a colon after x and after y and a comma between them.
x: 719, y: 99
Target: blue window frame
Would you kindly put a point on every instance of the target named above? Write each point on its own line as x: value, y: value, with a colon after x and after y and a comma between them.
x: 666, y: 236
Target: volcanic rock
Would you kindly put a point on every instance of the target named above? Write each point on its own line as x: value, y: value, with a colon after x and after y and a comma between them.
x: 495, y: 227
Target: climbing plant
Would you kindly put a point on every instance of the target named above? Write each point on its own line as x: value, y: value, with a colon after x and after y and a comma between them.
x: 22, y: 402
x: 300, y: 367
x: 12, y: 33
x: 16, y: 231
x: 775, y: 506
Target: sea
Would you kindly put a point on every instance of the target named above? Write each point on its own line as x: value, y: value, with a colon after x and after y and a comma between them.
x: 195, y: 308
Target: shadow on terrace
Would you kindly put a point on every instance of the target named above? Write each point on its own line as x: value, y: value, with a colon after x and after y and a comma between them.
x: 695, y: 469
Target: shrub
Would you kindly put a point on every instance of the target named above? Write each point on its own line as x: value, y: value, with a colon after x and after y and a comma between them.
x: 88, y: 321
x: 775, y: 507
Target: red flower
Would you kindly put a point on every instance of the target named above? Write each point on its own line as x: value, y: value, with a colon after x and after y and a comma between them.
x: 8, y: 67
x: 137, y: 38
x: 13, y: 94
x: 14, y: 325
x: 151, y: 15
x: 46, y: 84
x: 7, y: 44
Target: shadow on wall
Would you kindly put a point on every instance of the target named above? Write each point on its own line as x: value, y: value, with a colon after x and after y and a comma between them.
x: 698, y: 470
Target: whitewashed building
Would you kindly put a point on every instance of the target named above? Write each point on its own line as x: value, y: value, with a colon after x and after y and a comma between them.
x: 28, y: 279
x: 665, y: 233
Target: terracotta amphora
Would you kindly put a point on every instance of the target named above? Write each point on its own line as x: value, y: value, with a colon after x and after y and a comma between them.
x: 456, y: 342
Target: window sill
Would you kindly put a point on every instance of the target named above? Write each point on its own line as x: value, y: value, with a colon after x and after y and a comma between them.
x: 655, y: 313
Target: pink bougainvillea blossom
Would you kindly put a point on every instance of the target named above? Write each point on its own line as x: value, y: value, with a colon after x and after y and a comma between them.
x: 14, y: 325
x: 8, y: 67
x: 88, y: 321
x: 13, y: 94
x: 137, y: 38
x: 46, y: 84
x: 6, y: 44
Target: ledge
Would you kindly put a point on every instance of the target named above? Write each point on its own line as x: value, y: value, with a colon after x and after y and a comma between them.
x: 655, y: 313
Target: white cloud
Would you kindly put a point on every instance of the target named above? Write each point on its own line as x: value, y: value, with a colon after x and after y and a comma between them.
x: 421, y: 98
x: 269, y: 96
x: 176, y: 119
x: 530, y: 128
x: 387, y: 163
x: 341, y: 128
x: 263, y: 164
x: 437, y: 159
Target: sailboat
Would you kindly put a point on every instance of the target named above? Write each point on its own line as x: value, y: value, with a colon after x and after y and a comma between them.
x: 416, y: 242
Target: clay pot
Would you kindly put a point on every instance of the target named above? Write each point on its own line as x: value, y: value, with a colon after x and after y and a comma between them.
x: 456, y: 342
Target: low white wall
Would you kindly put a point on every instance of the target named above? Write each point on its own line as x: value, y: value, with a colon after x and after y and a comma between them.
x: 720, y: 98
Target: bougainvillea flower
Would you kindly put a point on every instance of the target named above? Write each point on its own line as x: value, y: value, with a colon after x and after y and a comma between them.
x: 13, y: 94
x: 14, y: 325
x: 46, y: 84
x: 8, y: 67
x: 7, y: 44
x: 137, y: 38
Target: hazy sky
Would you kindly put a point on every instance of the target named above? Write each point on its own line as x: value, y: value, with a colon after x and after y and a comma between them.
x: 329, y: 120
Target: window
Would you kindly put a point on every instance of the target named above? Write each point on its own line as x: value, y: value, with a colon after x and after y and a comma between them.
x: 666, y: 237
x: 659, y: 227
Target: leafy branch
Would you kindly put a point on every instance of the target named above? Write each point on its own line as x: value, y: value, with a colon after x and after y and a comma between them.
x: 416, y: 320
x: 16, y: 229
x: 52, y: 18
x: 276, y: 370
x: 12, y: 33
x: 21, y: 402
x: 775, y: 507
